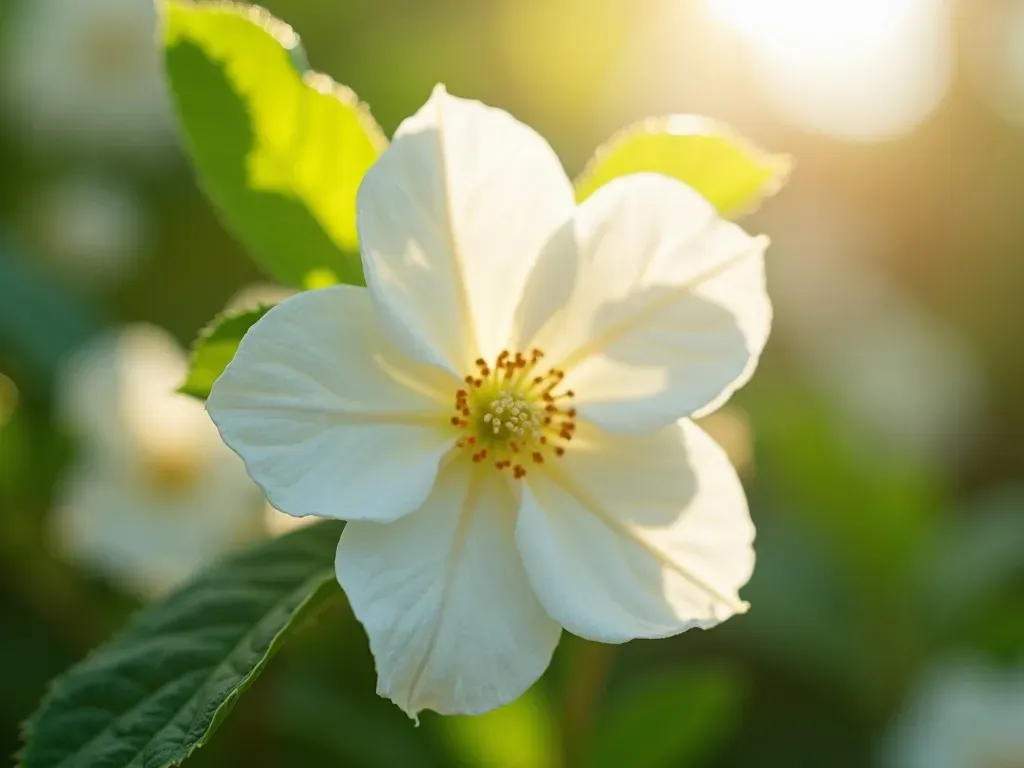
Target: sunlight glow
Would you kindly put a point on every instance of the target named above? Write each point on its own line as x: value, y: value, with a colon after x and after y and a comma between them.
x: 858, y: 69
x: 820, y: 33
x: 994, y: 59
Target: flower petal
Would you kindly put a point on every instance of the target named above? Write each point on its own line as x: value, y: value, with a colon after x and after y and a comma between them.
x: 453, y: 623
x: 117, y: 393
x: 111, y: 517
x: 452, y: 218
x: 667, y: 311
x: 643, y: 536
x: 328, y: 418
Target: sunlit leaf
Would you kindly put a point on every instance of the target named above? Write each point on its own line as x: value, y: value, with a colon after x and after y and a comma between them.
x: 522, y: 734
x: 215, y: 348
x: 675, y: 718
x: 280, y: 152
x: 157, y: 691
x: 729, y: 171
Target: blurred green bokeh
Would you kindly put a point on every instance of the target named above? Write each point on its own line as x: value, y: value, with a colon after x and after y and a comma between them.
x: 882, y: 440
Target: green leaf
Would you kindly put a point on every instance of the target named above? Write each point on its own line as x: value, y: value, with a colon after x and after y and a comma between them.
x: 347, y: 729
x: 522, y: 734
x: 975, y: 558
x: 875, y: 514
x: 729, y: 171
x: 215, y: 348
x: 673, y: 719
x: 280, y: 152
x: 158, y: 690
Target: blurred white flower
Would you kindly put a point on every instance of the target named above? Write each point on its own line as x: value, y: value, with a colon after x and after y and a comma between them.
x: 90, y: 227
x: 502, y: 414
x: 153, y: 493
x: 964, y: 715
x: 900, y: 378
x: 87, y: 73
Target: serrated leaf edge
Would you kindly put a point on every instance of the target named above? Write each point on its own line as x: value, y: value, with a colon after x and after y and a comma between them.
x: 301, y: 613
x: 288, y: 39
x: 208, y: 331
x: 780, y: 165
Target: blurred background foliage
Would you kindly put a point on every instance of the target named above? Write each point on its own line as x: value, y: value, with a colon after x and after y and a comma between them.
x: 882, y: 441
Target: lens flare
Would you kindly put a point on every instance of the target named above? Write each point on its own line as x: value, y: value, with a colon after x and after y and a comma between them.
x: 821, y: 34
x: 859, y: 69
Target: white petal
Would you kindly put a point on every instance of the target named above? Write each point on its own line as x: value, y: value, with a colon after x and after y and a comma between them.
x: 659, y: 312
x: 631, y: 537
x: 452, y: 218
x: 453, y: 623
x: 111, y: 517
x: 117, y: 393
x: 328, y: 418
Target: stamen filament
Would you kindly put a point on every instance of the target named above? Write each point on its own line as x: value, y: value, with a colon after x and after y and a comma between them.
x: 509, y: 409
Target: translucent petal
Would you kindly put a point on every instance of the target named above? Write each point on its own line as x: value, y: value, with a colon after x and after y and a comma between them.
x: 452, y: 218
x: 656, y: 309
x: 637, y: 536
x: 329, y: 419
x: 453, y: 622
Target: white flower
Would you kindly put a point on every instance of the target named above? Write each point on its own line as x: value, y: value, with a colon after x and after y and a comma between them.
x: 153, y: 494
x: 88, y: 73
x: 502, y: 412
x: 965, y: 715
x: 91, y: 227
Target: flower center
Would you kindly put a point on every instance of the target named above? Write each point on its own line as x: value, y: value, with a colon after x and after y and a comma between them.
x: 170, y: 472
x: 112, y: 48
x: 513, y: 413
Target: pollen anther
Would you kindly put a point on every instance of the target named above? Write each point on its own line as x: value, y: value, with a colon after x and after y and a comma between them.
x: 511, y: 408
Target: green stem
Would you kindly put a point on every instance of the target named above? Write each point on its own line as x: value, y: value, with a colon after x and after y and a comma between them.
x: 589, y: 664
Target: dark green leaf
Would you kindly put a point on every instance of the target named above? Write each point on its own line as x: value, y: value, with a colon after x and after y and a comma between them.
x: 875, y: 514
x: 159, y: 689
x: 215, y: 348
x: 673, y: 719
x: 280, y: 152
x: 977, y: 557
x: 347, y: 729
